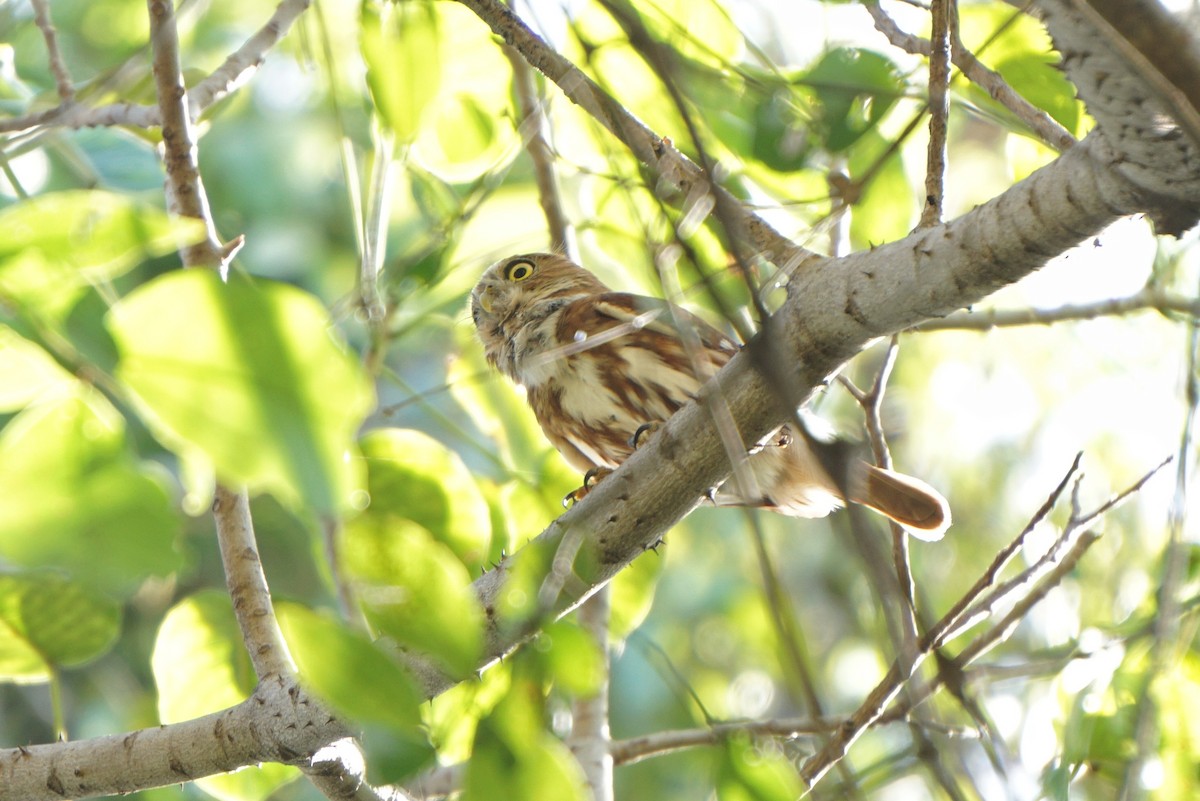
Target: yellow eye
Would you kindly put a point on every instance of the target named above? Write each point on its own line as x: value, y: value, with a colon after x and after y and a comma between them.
x: 518, y: 270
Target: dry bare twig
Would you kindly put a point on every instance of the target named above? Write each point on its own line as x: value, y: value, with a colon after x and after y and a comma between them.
x: 1047, y: 573
x: 1039, y: 122
x: 944, y: 15
x: 233, y: 72
x: 648, y: 147
x: 1150, y: 298
x: 58, y: 67
x: 1166, y: 641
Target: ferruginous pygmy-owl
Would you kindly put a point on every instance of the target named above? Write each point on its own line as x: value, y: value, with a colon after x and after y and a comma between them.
x: 598, y: 365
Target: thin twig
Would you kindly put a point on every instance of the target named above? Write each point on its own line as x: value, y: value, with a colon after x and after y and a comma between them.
x: 242, y: 63
x: 534, y: 128
x: 956, y: 620
x: 1165, y: 644
x: 247, y: 586
x: 234, y: 72
x: 373, y: 243
x: 943, y: 15
x: 184, y: 189
x: 337, y: 773
x: 62, y: 77
x: 791, y: 637
x: 950, y: 623
x: 648, y: 147
x: 874, y: 707
x: 589, y: 738
x: 1148, y: 299
x: 1039, y: 122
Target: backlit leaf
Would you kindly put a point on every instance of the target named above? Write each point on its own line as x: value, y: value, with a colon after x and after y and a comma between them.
x: 48, y: 622
x: 56, y: 244
x: 247, y: 374
x: 74, y: 498
x: 401, y: 44
x: 411, y: 476
x: 200, y: 666
x: 413, y: 590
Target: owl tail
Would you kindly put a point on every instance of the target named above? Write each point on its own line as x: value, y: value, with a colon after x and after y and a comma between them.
x: 909, y: 501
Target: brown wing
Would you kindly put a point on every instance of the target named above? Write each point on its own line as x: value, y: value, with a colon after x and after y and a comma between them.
x: 641, y: 320
x: 623, y: 361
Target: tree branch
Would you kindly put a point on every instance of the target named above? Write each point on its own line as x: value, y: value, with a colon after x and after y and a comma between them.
x: 944, y: 21
x: 279, y: 722
x: 337, y: 777
x: 58, y: 67
x: 234, y: 72
x: 649, y: 148
x: 535, y: 133
x: 1039, y: 122
x: 1149, y: 298
x: 1152, y: 139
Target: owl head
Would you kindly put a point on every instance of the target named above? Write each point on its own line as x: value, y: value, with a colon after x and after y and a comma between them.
x: 515, y: 284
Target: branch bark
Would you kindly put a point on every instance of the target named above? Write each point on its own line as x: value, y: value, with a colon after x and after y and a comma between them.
x: 278, y: 723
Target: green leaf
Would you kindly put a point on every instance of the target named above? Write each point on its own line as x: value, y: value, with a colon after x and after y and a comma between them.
x: 451, y: 718
x: 781, y: 132
x: 413, y: 590
x: 1019, y: 48
x: 364, y: 685
x: 631, y: 594
x: 1037, y: 78
x: 748, y: 773
x: 854, y: 89
x: 401, y: 45
x: 411, y: 476
x: 74, y: 498
x: 697, y: 29
x: 468, y: 128
x: 517, y: 601
x: 885, y: 210
x: 27, y: 372
x: 570, y: 657
x: 48, y: 622
x: 515, y: 757
x: 56, y: 244
x: 200, y: 666
x: 463, y: 140
x: 246, y: 374
x: 349, y: 671
x: 199, y: 662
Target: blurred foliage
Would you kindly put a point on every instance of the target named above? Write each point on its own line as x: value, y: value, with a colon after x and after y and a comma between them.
x: 128, y: 387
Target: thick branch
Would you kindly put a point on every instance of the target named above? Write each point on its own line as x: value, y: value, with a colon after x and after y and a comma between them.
x: 1147, y: 120
x: 278, y: 723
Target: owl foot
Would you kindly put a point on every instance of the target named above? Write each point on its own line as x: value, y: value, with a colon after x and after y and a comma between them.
x: 644, y: 434
x: 590, y: 479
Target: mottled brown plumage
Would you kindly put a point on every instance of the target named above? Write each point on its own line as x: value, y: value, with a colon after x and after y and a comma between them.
x: 597, y: 365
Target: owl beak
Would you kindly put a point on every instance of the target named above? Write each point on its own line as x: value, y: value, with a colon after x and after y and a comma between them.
x: 485, y: 300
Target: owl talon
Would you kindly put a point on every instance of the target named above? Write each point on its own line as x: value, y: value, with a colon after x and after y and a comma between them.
x: 644, y: 434
x: 590, y: 479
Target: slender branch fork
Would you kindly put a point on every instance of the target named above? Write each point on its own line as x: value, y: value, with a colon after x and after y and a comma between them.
x: 235, y: 70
